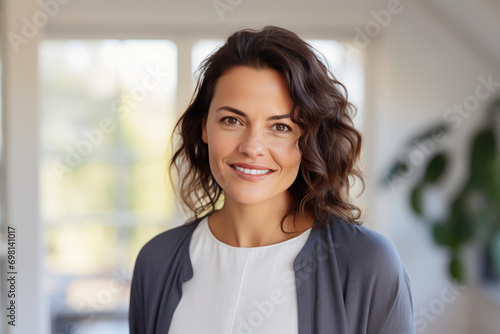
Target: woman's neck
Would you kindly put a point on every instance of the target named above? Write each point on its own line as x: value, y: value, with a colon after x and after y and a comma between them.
x: 255, y: 225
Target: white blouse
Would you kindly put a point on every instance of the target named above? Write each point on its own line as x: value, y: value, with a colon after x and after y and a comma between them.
x: 238, y: 290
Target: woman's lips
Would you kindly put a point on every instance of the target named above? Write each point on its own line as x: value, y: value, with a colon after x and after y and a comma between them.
x: 249, y: 166
x: 250, y: 177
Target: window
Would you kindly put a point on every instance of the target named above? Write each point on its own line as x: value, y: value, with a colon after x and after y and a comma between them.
x: 107, y: 110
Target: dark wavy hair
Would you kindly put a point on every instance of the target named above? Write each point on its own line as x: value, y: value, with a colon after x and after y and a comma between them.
x: 329, y: 143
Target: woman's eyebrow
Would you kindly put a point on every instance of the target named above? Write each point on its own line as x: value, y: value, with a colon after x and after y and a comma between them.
x: 241, y: 113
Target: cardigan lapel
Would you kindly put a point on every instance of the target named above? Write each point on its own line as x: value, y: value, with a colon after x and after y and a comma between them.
x: 320, y: 302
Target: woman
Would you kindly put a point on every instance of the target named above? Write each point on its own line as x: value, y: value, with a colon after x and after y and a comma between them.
x: 266, y: 151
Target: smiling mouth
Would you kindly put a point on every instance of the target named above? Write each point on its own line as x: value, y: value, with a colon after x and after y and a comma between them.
x: 250, y: 171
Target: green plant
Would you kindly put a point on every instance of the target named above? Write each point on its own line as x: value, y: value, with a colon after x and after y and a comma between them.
x: 474, y: 211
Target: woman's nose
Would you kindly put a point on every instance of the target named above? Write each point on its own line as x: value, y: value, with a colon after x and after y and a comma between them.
x: 251, y: 143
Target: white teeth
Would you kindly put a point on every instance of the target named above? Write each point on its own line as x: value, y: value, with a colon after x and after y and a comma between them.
x: 252, y: 171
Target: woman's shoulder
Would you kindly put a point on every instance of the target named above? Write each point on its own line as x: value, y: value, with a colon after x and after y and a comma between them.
x: 374, y: 277
x: 364, y: 248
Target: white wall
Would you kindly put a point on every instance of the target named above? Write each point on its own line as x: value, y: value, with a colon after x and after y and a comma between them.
x: 420, y: 69
x: 20, y: 165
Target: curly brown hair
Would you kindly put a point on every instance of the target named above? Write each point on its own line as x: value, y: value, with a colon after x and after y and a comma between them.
x: 329, y: 143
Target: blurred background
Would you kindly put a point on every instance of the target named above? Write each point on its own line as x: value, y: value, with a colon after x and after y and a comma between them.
x: 90, y: 92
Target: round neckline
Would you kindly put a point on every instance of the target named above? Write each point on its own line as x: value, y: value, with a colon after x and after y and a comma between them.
x: 283, y: 243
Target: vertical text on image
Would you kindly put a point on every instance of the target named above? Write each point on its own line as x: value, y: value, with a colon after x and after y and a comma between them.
x: 11, y: 275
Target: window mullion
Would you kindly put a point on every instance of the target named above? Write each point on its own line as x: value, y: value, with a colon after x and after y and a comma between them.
x: 185, y: 86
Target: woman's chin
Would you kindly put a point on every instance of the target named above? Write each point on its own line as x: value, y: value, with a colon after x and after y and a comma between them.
x: 246, y: 198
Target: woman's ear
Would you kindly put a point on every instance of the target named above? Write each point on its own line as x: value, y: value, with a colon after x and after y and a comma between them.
x: 204, y: 135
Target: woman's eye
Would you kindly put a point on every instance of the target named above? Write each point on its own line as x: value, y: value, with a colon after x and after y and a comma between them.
x: 230, y: 120
x: 281, y: 127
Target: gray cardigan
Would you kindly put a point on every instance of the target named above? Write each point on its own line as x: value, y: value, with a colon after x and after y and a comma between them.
x: 349, y: 280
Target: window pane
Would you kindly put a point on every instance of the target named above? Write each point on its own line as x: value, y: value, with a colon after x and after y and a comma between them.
x: 333, y: 54
x: 202, y: 49
x: 86, y: 247
x: 88, y: 188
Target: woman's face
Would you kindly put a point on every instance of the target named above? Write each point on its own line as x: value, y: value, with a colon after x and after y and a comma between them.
x: 252, y: 142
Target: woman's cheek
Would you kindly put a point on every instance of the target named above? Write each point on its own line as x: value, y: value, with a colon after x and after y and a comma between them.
x: 288, y: 148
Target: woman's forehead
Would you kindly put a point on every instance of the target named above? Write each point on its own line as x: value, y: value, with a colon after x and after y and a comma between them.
x: 252, y: 89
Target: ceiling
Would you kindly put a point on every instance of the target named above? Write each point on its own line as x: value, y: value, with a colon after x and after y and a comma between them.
x: 475, y: 22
